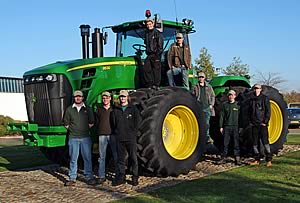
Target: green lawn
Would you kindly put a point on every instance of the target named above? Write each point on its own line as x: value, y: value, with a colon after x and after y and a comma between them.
x: 15, y: 156
x: 293, y: 139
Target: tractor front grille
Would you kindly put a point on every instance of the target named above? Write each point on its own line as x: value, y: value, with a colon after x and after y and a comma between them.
x: 46, y: 100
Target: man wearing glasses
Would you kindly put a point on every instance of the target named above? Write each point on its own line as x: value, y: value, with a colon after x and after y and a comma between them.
x: 179, y: 61
x: 260, y: 113
x: 206, y: 97
x: 78, y: 119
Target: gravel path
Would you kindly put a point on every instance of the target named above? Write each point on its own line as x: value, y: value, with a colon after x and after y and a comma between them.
x: 47, y: 183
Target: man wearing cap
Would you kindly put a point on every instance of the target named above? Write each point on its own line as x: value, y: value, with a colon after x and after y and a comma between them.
x: 229, y: 121
x: 78, y: 119
x: 179, y: 61
x: 126, y: 120
x: 154, y: 48
x: 206, y: 97
x: 260, y: 113
x: 104, y: 131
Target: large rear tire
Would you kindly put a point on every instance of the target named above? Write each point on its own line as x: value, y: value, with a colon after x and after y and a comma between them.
x: 172, y: 133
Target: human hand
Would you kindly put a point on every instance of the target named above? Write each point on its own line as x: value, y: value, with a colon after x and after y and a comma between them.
x: 91, y: 125
x: 221, y: 130
x: 67, y: 126
x: 263, y: 124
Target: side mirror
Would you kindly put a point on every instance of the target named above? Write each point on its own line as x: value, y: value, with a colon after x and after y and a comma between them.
x: 105, y: 38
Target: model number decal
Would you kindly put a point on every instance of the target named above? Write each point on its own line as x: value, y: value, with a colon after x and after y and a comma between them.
x: 106, y: 67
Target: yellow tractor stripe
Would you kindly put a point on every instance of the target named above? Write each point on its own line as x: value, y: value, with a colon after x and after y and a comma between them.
x: 102, y: 64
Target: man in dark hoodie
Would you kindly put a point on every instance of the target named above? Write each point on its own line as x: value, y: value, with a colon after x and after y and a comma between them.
x: 154, y: 49
x: 259, y: 119
x: 126, y: 119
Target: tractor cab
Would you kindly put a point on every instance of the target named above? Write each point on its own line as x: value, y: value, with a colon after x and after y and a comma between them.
x: 130, y: 40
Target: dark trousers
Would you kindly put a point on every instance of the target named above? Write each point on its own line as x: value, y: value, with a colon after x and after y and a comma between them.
x: 131, y: 149
x: 152, y: 71
x: 260, y: 133
x: 231, y: 132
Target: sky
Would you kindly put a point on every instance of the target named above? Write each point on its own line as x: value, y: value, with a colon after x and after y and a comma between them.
x: 265, y: 34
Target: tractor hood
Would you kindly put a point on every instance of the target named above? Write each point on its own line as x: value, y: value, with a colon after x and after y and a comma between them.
x: 64, y: 67
x: 92, y: 76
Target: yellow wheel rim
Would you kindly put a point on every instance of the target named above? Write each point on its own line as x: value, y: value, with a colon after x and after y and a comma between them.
x: 180, y: 132
x: 276, y: 123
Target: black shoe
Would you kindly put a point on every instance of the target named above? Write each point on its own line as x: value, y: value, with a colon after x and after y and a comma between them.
x: 119, y: 181
x: 91, y: 181
x: 135, y: 180
x: 70, y: 183
x: 100, y: 180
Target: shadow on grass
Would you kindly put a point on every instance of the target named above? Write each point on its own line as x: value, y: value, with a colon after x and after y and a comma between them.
x: 19, y: 157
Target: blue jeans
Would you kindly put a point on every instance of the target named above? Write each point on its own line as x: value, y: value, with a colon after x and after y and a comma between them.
x: 207, y: 114
x: 84, y: 146
x: 176, y: 71
x: 103, y: 141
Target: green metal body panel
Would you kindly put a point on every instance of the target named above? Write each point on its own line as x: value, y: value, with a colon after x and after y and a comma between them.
x: 34, y: 135
x: 221, y: 84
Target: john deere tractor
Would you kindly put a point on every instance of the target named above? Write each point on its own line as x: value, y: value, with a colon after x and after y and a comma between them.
x: 171, y: 136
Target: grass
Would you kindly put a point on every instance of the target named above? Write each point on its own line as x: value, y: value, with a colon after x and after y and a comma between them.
x: 13, y: 156
x: 293, y: 139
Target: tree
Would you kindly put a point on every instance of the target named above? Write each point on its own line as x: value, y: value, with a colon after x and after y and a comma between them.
x: 270, y: 79
x: 236, y: 68
x: 204, y: 63
x: 292, y: 96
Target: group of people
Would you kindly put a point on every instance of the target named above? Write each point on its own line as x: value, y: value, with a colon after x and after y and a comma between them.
x: 259, y: 114
x: 179, y: 58
x: 117, y: 126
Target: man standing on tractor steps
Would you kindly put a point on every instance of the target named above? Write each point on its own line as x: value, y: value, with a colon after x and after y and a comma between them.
x: 126, y: 119
x: 154, y: 48
x: 206, y: 97
x: 78, y: 119
x: 260, y: 113
x: 229, y: 126
x: 104, y: 131
x: 179, y: 60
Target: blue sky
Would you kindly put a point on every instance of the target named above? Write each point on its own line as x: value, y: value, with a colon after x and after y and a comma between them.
x: 265, y: 34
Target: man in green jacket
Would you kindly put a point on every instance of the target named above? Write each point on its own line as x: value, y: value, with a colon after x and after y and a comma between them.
x: 78, y: 119
x: 229, y: 120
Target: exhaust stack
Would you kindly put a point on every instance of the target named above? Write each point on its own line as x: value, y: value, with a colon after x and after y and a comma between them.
x: 97, y: 43
x: 85, y: 34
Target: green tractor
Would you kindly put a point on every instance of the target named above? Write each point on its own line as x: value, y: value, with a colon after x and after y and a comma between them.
x: 172, y: 134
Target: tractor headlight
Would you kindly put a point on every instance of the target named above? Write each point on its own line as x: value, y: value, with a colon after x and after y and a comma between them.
x: 51, y: 78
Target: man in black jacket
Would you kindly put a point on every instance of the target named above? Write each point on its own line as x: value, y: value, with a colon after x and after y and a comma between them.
x: 154, y: 49
x: 126, y: 119
x: 259, y: 119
